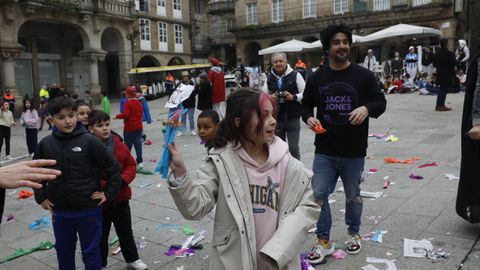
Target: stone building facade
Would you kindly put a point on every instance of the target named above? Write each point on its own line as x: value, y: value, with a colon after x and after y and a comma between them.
x: 212, y: 22
x: 263, y: 23
x: 88, y: 44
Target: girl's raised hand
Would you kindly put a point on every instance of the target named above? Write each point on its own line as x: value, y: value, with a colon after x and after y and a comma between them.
x: 177, y: 165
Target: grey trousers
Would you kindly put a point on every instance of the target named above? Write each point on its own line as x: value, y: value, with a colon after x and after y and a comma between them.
x: 289, y: 131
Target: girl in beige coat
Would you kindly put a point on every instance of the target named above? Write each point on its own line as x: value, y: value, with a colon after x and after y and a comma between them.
x: 263, y: 196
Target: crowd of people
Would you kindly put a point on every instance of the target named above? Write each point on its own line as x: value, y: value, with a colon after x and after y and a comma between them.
x: 265, y: 198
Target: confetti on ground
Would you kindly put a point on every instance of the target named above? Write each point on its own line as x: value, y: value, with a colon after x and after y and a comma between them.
x: 415, y: 176
x: 145, y: 185
x: 187, y: 230
x: 406, y: 161
x: 428, y: 165
x: 451, y: 176
x: 39, y: 224
x: 10, y: 217
x: 339, y: 254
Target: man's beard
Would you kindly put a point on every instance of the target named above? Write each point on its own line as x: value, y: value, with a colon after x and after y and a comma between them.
x: 340, y: 59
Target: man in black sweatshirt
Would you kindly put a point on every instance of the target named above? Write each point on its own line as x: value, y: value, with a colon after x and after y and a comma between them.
x: 345, y: 96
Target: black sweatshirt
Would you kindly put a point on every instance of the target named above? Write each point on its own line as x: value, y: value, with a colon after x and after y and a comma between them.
x: 336, y: 94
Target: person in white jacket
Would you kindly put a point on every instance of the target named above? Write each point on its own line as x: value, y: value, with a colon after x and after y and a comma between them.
x: 462, y: 54
x: 370, y: 61
x: 263, y: 196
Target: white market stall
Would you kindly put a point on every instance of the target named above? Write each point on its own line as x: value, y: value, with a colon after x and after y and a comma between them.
x: 287, y: 46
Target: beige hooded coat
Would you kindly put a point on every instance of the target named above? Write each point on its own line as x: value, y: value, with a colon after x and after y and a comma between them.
x: 233, y: 244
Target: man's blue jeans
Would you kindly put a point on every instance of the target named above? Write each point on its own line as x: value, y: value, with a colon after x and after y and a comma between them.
x: 326, y: 171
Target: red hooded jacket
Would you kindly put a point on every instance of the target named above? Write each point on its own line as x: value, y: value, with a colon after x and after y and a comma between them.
x: 217, y: 77
x: 128, y: 169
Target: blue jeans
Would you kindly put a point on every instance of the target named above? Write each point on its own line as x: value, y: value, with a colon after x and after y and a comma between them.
x: 191, y: 121
x: 88, y: 225
x: 326, y: 171
x: 441, y: 95
x: 135, y: 139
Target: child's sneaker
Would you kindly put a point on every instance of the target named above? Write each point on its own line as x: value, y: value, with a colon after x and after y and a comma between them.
x: 354, y: 245
x: 140, y: 165
x: 179, y: 133
x: 318, y: 253
x: 9, y: 157
x: 137, y: 265
x: 194, y: 133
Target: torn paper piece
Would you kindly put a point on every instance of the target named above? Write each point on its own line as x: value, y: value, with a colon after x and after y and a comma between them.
x: 369, y: 267
x: 386, y: 184
x: 339, y: 254
x: 377, y: 135
x: 451, y: 176
x: 391, y: 138
x: 389, y: 263
x: 416, y: 248
x: 377, y: 237
x: 366, y: 194
x: 372, y: 170
x: 145, y: 185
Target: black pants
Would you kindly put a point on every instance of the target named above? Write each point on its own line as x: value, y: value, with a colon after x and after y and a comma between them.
x: 119, y: 214
x: 2, y: 202
x: 5, y: 134
x: 32, y: 141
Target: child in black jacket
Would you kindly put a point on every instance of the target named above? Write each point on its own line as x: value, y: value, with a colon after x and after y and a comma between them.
x: 74, y: 198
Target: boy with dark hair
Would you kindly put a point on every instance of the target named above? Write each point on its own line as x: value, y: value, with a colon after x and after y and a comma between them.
x: 74, y: 197
x: 118, y: 210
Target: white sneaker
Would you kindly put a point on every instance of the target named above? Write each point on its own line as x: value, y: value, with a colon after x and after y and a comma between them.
x: 137, y: 265
x: 140, y: 165
x: 9, y: 157
x: 194, y: 133
x: 179, y: 133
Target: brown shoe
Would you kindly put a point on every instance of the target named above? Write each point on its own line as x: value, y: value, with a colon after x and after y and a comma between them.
x: 442, y: 109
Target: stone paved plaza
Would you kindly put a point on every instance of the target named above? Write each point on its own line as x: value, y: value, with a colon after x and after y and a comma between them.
x: 409, y: 209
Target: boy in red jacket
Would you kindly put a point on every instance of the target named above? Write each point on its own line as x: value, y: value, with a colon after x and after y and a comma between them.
x: 132, y: 123
x: 118, y: 211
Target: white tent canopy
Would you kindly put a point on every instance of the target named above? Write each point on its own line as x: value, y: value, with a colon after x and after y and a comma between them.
x: 318, y: 44
x: 287, y: 46
x: 403, y: 31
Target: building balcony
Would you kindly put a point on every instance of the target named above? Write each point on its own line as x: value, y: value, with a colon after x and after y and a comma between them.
x: 215, y: 7
x: 104, y: 7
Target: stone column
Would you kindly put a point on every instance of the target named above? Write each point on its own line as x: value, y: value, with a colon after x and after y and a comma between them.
x: 8, y: 74
x: 93, y: 58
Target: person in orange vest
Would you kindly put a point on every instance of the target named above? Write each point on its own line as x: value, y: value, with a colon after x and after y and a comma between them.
x: 301, y: 68
x: 169, y: 83
x: 8, y: 97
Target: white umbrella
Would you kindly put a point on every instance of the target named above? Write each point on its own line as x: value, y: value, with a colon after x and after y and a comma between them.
x: 318, y: 44
x: 287, y: 46
x: 403, y: 31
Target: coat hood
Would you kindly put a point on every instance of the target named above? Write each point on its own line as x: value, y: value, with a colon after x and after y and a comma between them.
x: 277, y: 151
x: 214, y: 61
x: 288, y: 71
x: 462, y: 43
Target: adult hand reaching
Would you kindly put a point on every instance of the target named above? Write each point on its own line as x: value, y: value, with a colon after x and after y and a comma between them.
x: 27, y: 173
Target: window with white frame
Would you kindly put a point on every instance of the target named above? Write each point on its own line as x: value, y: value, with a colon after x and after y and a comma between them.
x: 177, y: 9
x: 178, y: 31
x: 162, y: 36
x: 144, y: 5
x: 379, y: 5
x: 278, y: 12
x: 145, y: 43
x: 309, y: 8
x: 252, y: 14
x: 162, y: 7
x: 340, y: 6
x: 420, y: 2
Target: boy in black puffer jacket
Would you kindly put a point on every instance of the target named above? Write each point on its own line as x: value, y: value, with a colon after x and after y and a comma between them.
x: 74, y: 197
